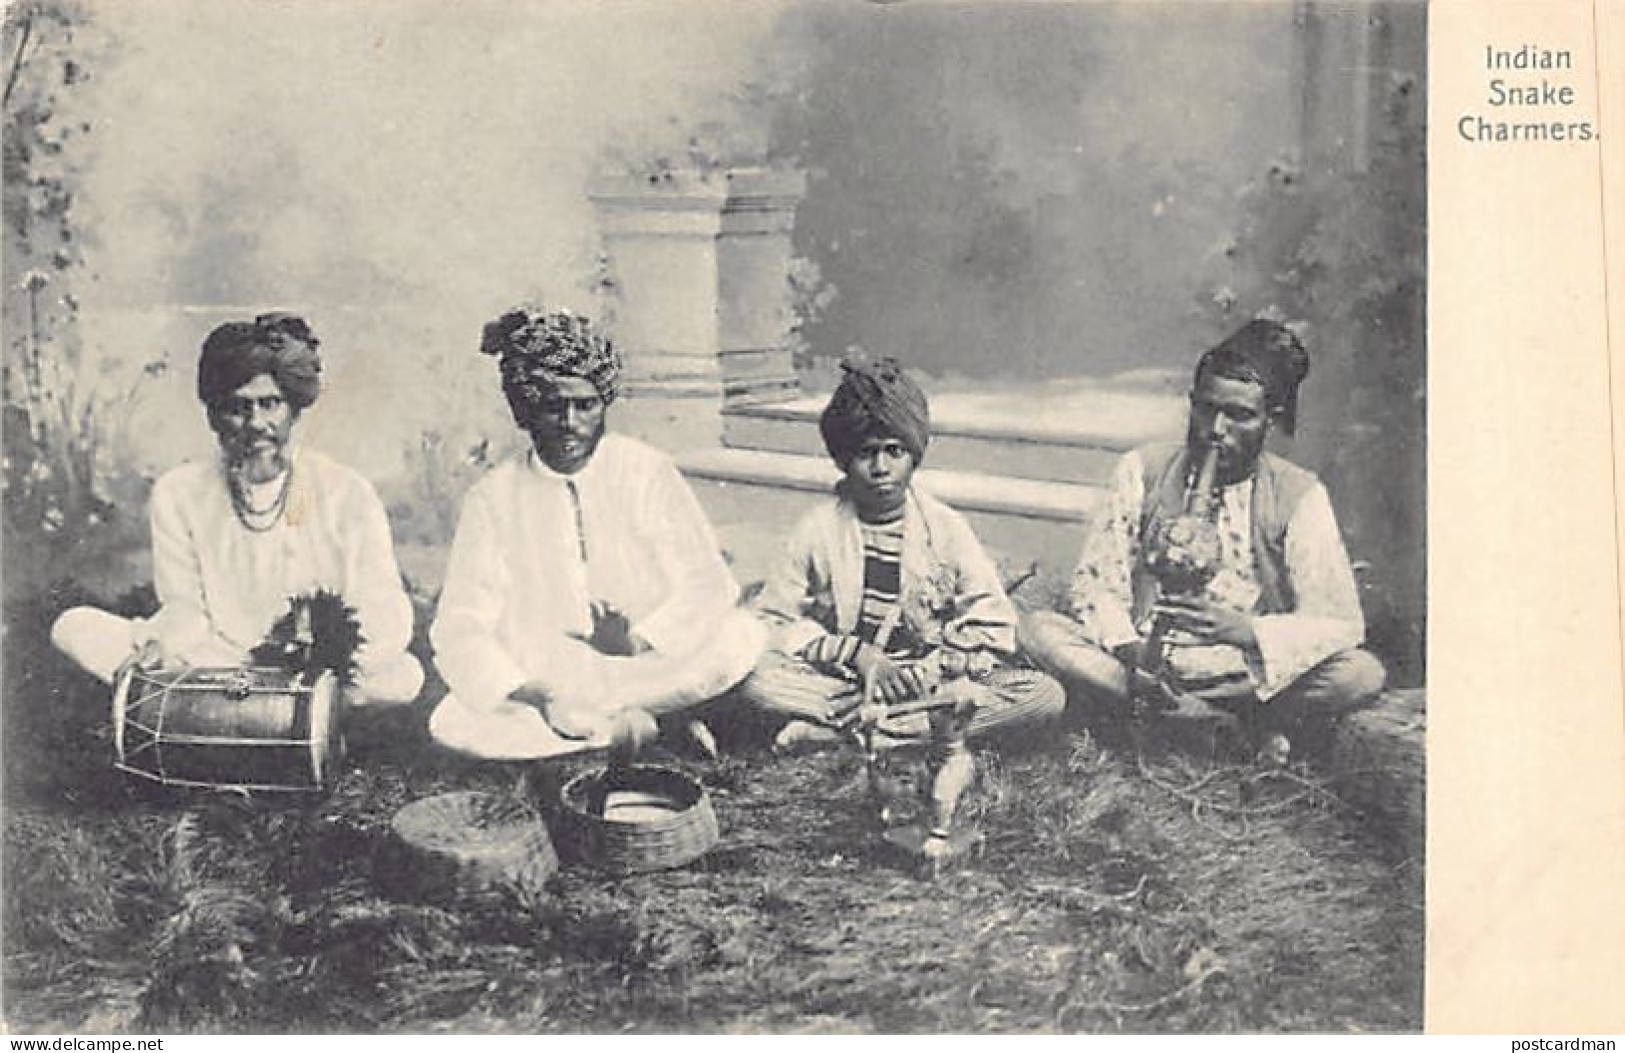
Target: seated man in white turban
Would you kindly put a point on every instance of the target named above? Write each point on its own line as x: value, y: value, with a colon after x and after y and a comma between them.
x: 237, y: 537
x: 584, y: 583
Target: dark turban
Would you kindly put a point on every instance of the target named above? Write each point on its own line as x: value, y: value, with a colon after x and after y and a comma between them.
x: 1266, y: 353
x: 875, y: 399
x: 281, y: 345
x: 533, y: 347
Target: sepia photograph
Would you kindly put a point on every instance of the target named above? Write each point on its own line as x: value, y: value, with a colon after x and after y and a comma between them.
x: 808, y: 516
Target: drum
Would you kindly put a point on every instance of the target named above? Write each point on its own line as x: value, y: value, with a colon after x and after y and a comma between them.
x: 253, y: 728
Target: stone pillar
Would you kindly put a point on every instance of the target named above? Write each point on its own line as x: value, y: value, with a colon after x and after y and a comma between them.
x: 700, y: 268
x: 1344, y: 56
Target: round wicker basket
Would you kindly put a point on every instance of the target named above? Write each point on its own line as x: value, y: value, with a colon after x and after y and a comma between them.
x: 638, y: 818
x: 460, y: 844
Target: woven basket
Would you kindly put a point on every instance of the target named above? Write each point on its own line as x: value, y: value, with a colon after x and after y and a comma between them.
x: 653, y: 819
x: 455, y: 845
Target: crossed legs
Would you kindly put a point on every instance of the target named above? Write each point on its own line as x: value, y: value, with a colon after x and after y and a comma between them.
x: 1007, y: 699
x: 1344, y: 682
x: 656, y: 683
x: 100, y: 642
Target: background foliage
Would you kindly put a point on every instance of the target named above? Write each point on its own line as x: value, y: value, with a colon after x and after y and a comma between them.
x: 71, y: 495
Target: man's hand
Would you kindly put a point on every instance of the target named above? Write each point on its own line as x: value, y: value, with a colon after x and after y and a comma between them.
x: 570, y: 721
x: 152, y: 655
x: 148, y: 656
x: 1131, y: 654
x: 947, y: 663
x: 612, y: 633
x: 1208, y: 621
x: 884, y: 680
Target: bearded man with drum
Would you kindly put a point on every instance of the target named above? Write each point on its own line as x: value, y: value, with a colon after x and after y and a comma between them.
x: 585, y: 586
x: 1273, y: 636
x: 236, y: 537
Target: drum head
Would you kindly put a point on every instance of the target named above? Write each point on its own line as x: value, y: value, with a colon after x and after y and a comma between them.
x: 131, y: 689
x: 326, y: 743
x: 121, y: 695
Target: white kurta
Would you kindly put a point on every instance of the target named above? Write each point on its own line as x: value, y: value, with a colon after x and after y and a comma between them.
x: 1326, y: 620
x: 222, y: 586
x: 534, y: 549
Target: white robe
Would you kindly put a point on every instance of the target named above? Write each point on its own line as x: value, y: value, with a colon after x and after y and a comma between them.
x: 524, y: 571
x: 221, y: 586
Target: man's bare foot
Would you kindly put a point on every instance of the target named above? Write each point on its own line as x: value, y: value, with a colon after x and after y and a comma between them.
x: 572, y: 721
x: 629, y: 731
x: 801, y: 735
x: 700, y: 734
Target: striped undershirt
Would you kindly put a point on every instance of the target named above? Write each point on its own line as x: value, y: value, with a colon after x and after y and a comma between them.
x: 882, y: 592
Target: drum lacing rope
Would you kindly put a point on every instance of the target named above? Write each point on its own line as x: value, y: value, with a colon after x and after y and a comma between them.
x: 158, y: 734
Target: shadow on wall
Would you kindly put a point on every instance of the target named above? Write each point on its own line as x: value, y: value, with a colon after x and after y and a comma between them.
x: 1343, y: 246
x: 1030, y: 191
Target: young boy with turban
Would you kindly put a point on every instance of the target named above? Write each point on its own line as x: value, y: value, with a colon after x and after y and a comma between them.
x: 235, y: 538
x: 884, y: 588
x: 584, y: 581
x: 1274, y: 635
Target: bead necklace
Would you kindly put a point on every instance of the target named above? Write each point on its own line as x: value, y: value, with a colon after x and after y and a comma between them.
x: 259, y: 520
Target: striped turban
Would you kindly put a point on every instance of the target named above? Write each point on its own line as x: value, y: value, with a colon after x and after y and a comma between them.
x: 875, y: 399
x: 1266, y: 353
x: 277, y: 344
x: 534, y: 347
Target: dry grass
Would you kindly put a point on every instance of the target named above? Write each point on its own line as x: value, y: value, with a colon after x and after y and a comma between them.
x: 1115, y: 890
x: 1099, y: 902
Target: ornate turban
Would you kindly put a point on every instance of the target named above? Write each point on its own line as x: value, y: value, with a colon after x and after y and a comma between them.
x: 533, y: 346
x: 1266, y: 353
x: 281, y: 345
x: 875, y: 399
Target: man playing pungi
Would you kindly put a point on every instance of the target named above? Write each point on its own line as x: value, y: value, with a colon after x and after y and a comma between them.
x: 235, y: 538
x: 584, y: 581
x: 1274, y: 635
x: 883, y: 586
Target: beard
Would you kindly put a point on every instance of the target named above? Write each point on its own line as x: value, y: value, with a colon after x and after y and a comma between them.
x: 567, y: 450
x: 258, y: 457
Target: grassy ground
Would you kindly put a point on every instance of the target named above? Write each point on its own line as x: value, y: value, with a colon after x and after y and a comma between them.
x: 1131, y: 888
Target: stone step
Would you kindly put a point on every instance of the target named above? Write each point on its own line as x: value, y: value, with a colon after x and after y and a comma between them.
x: 743, y: 362
x: 1379, y: 765
x: 754, y: 498
x: 967, y: 491
x: 746, y: 392
x: 1068, y: 432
